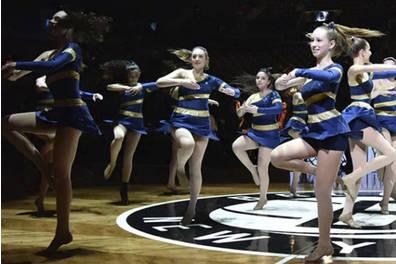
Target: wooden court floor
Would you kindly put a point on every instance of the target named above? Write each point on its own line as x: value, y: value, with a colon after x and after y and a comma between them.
x: 98, y: 239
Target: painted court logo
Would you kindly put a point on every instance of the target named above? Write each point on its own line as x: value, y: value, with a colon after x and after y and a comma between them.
x: 286, y: 227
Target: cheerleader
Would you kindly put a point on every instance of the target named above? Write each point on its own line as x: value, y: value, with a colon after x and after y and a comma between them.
x: 360, y: 115
x: 190, y: 118
x: 129, y: 122
x: 265, y: 105
x: 327, y: 135
x: 70, y: 115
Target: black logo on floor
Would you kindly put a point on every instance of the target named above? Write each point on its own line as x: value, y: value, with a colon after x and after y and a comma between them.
x: 286, y: 226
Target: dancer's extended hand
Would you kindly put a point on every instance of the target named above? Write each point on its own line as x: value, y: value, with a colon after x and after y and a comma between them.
x: 190, y: 84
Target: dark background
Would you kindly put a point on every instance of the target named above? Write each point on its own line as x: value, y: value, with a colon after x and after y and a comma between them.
x: 240, y: 35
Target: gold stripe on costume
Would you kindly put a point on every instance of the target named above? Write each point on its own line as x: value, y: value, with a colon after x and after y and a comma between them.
x: 323, y: 116
x: 383, y: 104
x: 265, y: 127
x: 300, y: 112
x: 131, y: 114
x: 307, y: 81
x: 69, y: 102
x: 222, y: 86
x: 132, y: 102
x: 385, y: 113
x: 186, y: 111
x: 298, y: 119
x: 354, y: 82
x: 71, y: 51
x: 194, y: 96
x: 298, y: 103
x: 317, y: 97
x: 46, y: 101
x: 360, y: 97
x: 258, y: 114
x: 361, y: 104
x: 62, y: 75
x: 277, y: 100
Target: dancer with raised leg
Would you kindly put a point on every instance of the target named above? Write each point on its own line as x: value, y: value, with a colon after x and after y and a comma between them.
x: 327, y: 136
x: 69, y: 117
x: 384, y: 102
x: 265, y: 105
x: 129, y: 122
x: 360, y: 115
x: 190, y: 118
x: 294, y: 126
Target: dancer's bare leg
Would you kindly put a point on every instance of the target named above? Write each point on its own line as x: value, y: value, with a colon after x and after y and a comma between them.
x: 263, y: 163
x: 293, y: 186
x: 290, y: 156
x: 65, y: 148
x: 359, y: 158
x: 115, y: 147
x: 131, y: 141
x: 195, y: 163
x: 186, y: 143
x: 47, y: 152
x: 172, y: 168
x: 373, y: 138
x: 240, y: 147
x: 327, y: 168
x: 13, y: 127
x: 389, y: 175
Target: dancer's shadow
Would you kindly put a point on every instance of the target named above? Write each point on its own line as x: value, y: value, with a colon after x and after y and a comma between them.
x: 176, y: 192
x: 123, y: 203
x: 64, y: 254
x: 40, y: 214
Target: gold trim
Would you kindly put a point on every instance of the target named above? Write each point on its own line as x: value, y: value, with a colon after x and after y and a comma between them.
x: 323, y: 116
x: 46, y: 101
x: 361, y: 104
x: 194, y: 96
x: 140, y: 101
x: 385, y: 113
x: 340, y: 71
x: 186, y: 111
x: 71, y: 52
x: 131, y: 114
x: 307, y: 81
x: 298, y: 119
x: 276, y: 101
x: 222, y: 86
x: 317, y: 97
x: 62, y: 75
x: 266, y: 127
x: 384, y: 104
x: 300, y: 112
x: 360, y: 97
x: 69, y: 102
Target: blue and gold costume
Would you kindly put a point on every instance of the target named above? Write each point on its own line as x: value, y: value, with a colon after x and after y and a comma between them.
x: 62, y: 77
x: 265, y: 126
x: 360, y: 114
x: 130, y: 113
x: 298, y: 121
x: 385, y: 106
x: 192, y: 110
x: 327, y: 128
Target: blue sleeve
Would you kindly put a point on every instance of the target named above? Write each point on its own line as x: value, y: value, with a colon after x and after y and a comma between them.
x: 331, y: 75
x: 275, y: 108
x: 150, y: 87
x: 222, y: 84
x: 45, y: 66
x: 86, y: 96
x: 384, y: 75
